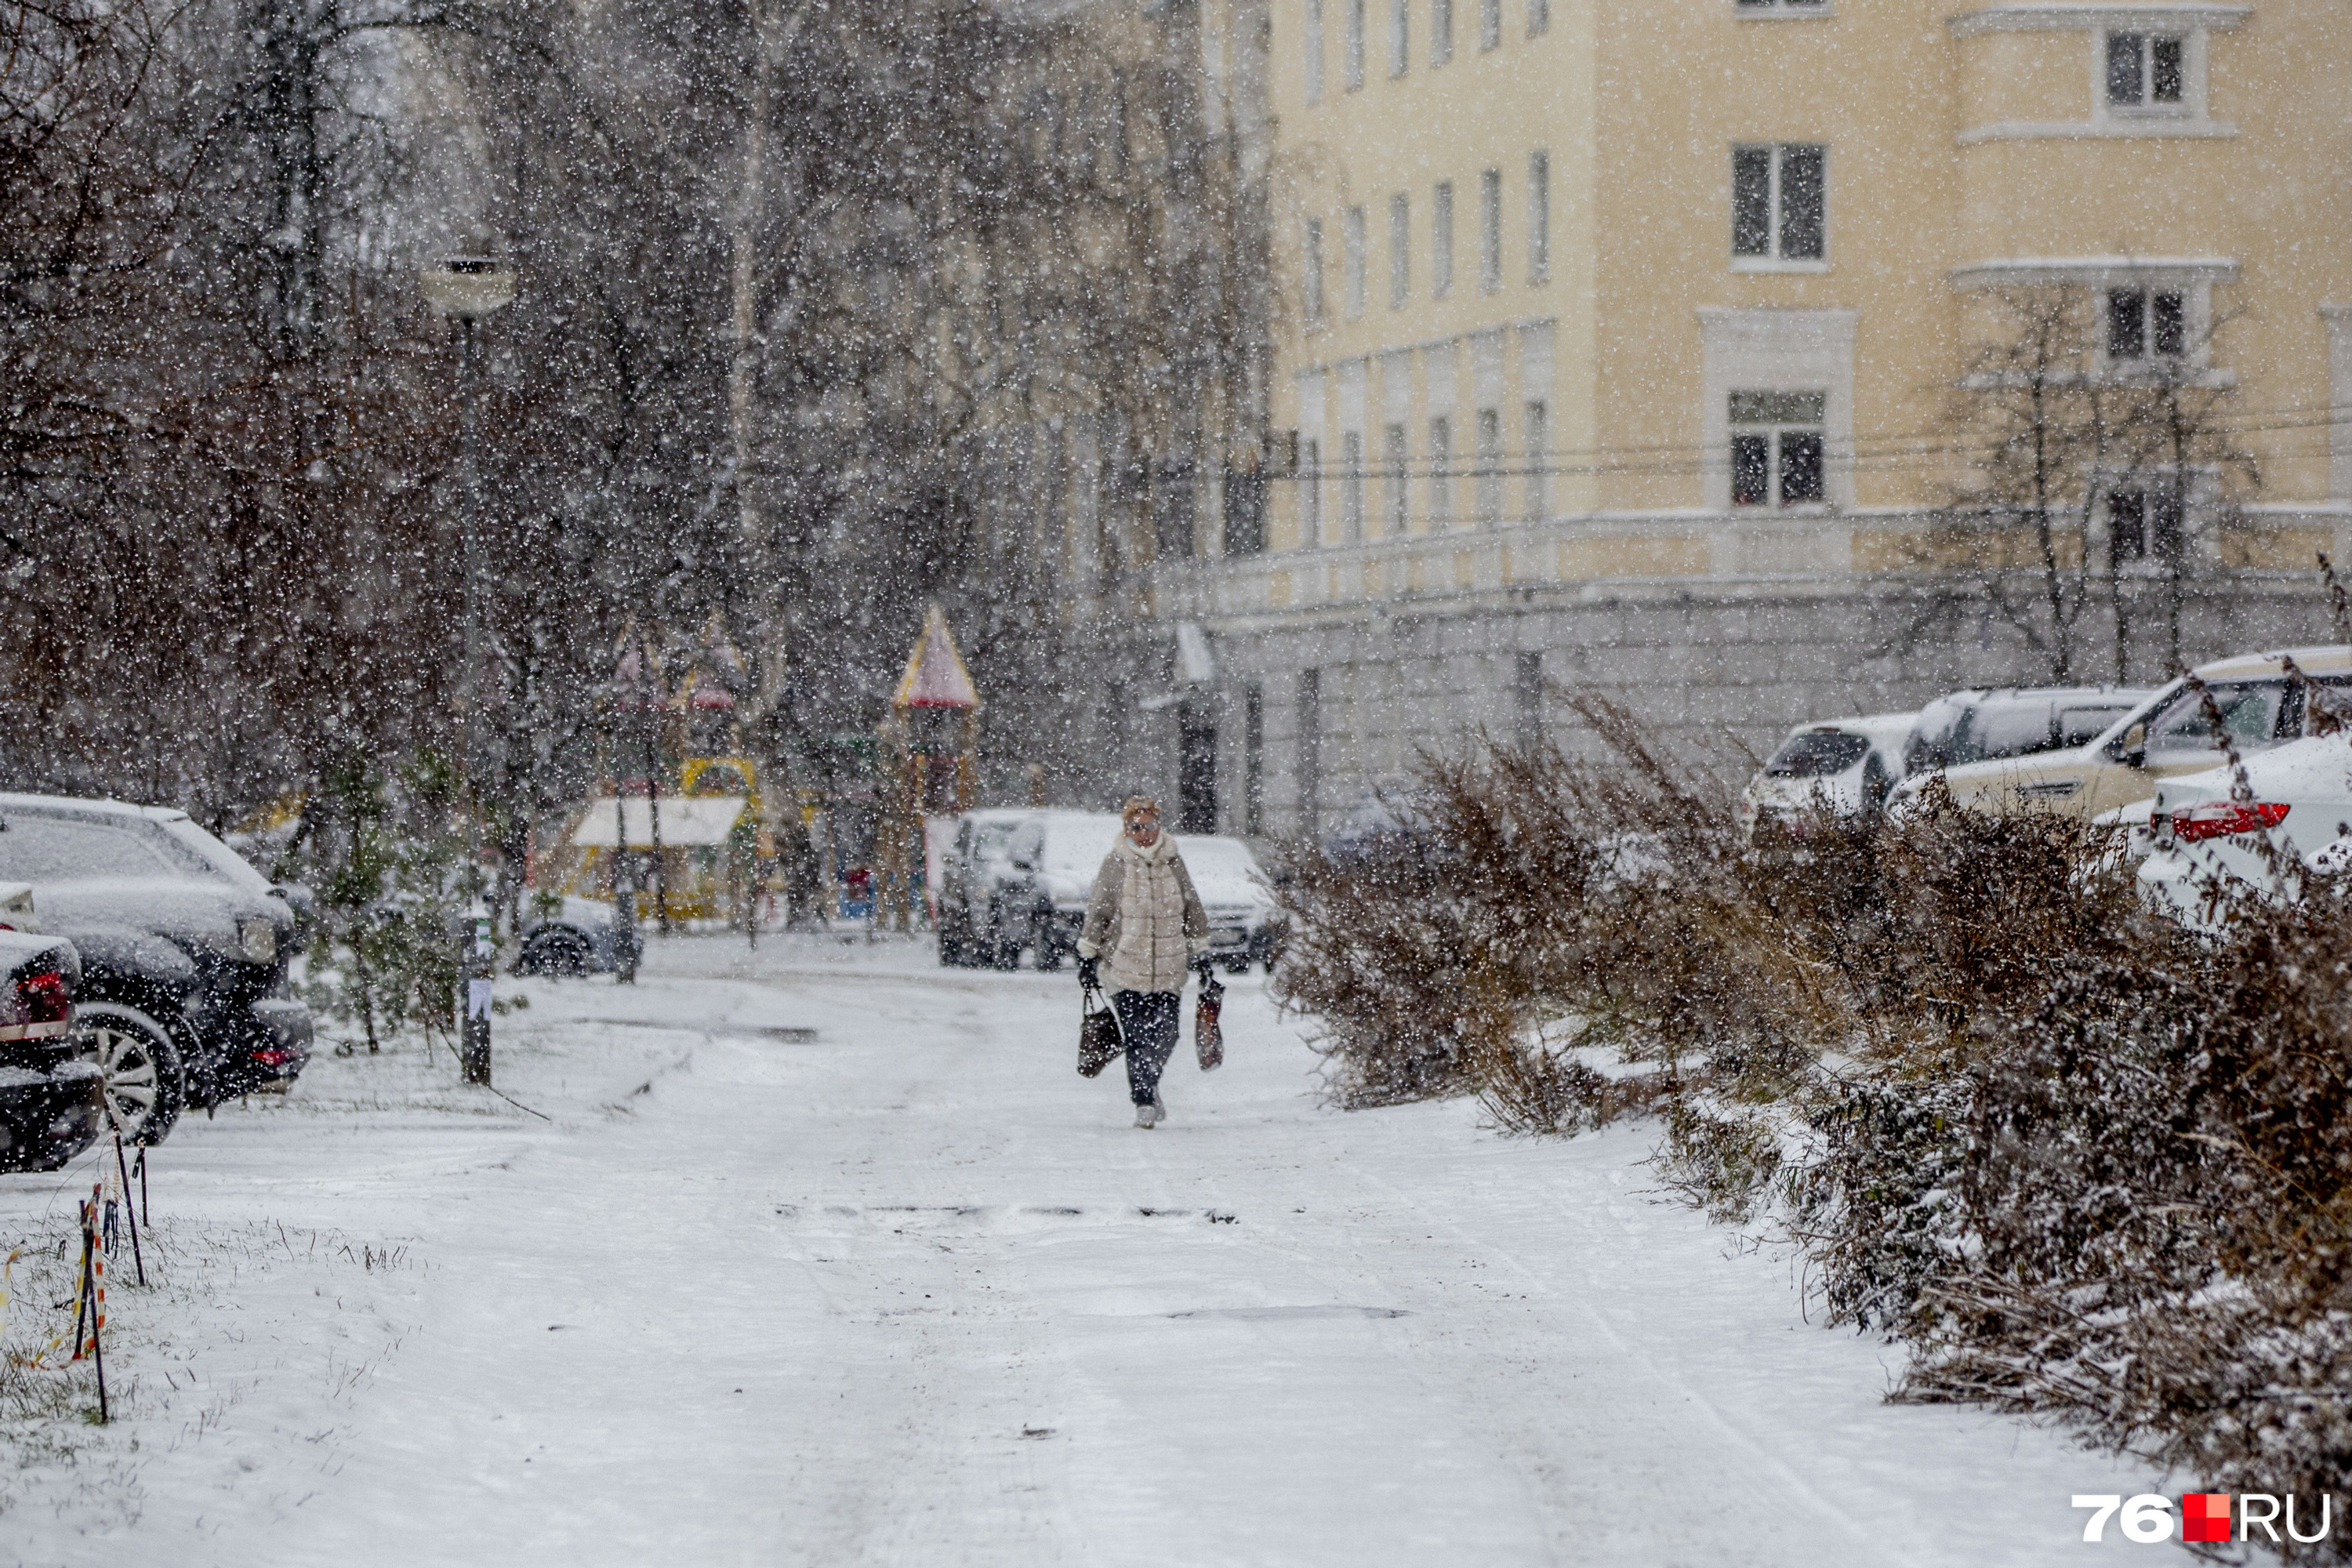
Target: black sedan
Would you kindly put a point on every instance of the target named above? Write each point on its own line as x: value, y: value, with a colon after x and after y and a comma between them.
x: 184, y: 949
x: 52, y: 1101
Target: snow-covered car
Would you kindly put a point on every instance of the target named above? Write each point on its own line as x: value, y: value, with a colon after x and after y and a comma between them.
x: 578, y: 936
x: 184, y: 949
x: 1393, y: 818
x: 972, y: 903
x: 1838, y: 768
x: 1244, y: 928
x: 1994, y: 724
x: 52, y: 1101
x: 2214, y: 844
x: 1053, y: 858
x: 2163, y: 735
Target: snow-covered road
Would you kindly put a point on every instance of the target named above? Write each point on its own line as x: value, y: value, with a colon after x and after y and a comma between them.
x: 913, y: 1292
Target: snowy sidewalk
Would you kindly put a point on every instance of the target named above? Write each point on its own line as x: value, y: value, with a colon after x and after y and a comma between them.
x: 913, y: 1292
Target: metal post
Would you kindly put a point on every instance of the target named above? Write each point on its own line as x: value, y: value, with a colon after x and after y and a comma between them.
x: 477, y: 960
x: 624, y: 880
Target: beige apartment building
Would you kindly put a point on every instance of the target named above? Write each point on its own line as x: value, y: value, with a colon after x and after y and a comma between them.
x: 1618, y: 343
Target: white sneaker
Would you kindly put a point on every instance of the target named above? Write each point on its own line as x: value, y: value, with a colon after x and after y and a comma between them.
x: 1147, y: 1116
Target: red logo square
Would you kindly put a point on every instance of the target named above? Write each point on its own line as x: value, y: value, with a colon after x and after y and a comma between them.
x: 2205, y: 1516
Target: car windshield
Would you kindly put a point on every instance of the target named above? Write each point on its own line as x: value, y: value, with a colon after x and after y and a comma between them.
x: 1077, y: 849
x: 1220, y: 866
x: 1997, y: 729
x: 36, y: 849
x: 1817, y: 754
x: 2253, y: 712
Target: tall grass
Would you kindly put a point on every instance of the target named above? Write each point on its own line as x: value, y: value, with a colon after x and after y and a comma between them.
x: 2081, y: 1160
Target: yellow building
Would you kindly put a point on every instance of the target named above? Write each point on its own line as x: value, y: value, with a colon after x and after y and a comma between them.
x: 1618, y: 342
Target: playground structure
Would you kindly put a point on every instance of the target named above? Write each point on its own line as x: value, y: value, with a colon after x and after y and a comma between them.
x: 930, y: 742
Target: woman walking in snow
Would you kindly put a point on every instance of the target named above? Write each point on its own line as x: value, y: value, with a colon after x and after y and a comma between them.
x: 1145, y: 927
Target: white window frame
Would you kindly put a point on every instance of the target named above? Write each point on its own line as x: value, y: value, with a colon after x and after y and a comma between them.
x: 1535, y: 436
x: 1440, y: 239
x: 1313, y: 62
x: 1310, y: 272
x: 1774, y: 261
x: 1440, y: 471
x: 1351, y: 487
x: 2189, y: 106
x: 1774, y: 432
x: 1486, y: 465
x: 1540, y: 216
x: 1776, y: 351
x: 1310, y: 493
x: 1490, y: 230
x: 1352, y: 47
x: 1396, y: 464
x: 1351, y: 251
x: 1400, y: 250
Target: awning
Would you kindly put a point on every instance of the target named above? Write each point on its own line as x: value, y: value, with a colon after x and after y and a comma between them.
x: 688, y: 821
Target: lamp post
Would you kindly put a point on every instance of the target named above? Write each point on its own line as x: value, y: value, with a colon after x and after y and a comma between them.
x: 469, y: 288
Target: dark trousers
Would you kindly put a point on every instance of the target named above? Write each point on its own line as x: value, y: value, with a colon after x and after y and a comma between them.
x: 1148, y: 1020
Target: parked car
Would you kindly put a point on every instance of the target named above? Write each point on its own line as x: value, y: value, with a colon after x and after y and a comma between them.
x: 1051, y: 859
x: 1393, y: 818
x: 1245, y: 927
x: 973, y: 874
x: 184, y: 949
x: 52, y: 1101
x: 2163, y: 735
x: 1839, y: 767
x: 578, y: 936
x: 2212, y: 847
x: 1988, y: 725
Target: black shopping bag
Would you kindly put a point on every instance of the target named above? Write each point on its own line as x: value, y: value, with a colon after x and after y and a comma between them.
x: 1100, y: 1041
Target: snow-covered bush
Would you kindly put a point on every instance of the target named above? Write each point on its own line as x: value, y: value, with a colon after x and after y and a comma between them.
x: 2081, y: 1160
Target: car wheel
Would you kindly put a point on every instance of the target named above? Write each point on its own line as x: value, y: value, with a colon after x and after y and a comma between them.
x: 146, y: 1085
x: 555, y: 949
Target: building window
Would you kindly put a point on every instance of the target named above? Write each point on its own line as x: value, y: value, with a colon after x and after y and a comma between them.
x: 1253, y: 758
x: 1780, y: 203
x: 1351, y: 241
x: 1490, y: 467
x: 1528, y: 689
x: 1536, y: 428
x: 1776, y: 448
x: 1400, y: 249
x: 1440, y: 32
x: 1754, y: 8
x: 2144, y: 521
x: 2145, y: 71
x: 1490, y: 25
x: 1392, y: 496
x: 1400, y: 36
x: 1539, y: 17
x: 2144, y: 322
x: 1441, y: 240
x: 1314, y: 51
x: 1490, y: 230
x: 1311, y: 271
x: 1538, y: 218
x: 1352, y: 57
x: 1441, y: 472
x: 1310, y: 493
x: 1352, y: 485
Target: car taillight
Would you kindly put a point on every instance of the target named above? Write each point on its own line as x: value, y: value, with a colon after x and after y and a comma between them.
x: 41, y: 1009
x: 2223, y: 818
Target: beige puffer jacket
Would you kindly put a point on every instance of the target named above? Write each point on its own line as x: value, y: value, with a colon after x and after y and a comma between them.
x: 1146, y: 916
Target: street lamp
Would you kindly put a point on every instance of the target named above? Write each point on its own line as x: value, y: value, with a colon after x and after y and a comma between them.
x: 469, y: 288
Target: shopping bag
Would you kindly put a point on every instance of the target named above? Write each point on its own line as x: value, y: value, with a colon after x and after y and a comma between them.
x: 1100, y: 1041
x: 1208, y: 1035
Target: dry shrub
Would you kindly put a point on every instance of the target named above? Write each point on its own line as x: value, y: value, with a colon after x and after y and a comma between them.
x: 2082, y: 1159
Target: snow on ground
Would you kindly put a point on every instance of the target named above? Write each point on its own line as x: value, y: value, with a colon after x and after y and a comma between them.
x: 911, y: 1291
